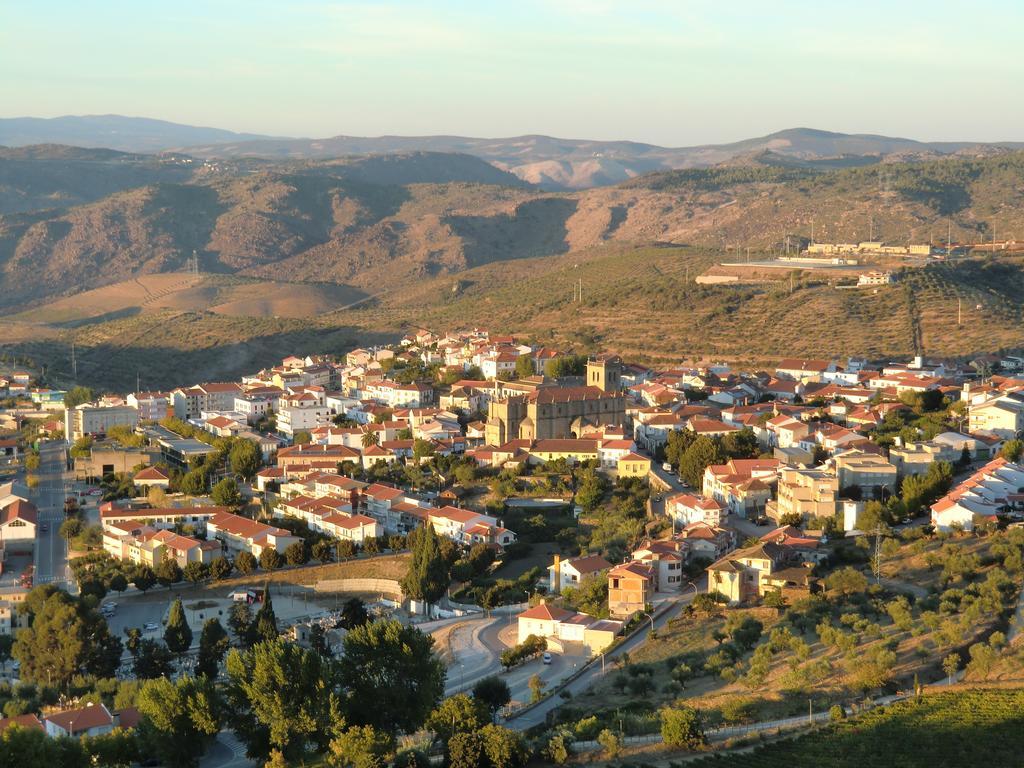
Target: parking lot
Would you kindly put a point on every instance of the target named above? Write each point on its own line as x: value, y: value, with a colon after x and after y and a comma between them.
x: 291, y: 604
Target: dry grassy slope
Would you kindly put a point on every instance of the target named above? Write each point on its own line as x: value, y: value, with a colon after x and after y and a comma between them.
x: 185, y: 292
x: 307, y: 222
x: 642, y: 303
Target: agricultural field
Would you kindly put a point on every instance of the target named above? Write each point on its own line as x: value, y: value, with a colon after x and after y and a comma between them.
x: 944, y: 729
x: 943, y: 606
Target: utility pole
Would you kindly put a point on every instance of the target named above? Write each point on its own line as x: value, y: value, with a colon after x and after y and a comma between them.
x: 958, y: 310
x: 74, y: 362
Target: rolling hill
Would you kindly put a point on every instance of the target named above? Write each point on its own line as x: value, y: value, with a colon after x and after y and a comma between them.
x: 551, y: 162
x: 130, y: 134
x: 371, y: 245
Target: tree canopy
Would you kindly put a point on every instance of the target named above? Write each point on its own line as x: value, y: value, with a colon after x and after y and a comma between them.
x: 394, y: 667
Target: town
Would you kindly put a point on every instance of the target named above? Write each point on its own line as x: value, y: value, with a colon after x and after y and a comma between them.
x: 558, y: 537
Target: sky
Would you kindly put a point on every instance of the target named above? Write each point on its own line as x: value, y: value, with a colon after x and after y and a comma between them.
x: 670, y: 73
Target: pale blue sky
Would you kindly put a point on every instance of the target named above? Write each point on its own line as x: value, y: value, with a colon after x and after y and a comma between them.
x: 672, y: 73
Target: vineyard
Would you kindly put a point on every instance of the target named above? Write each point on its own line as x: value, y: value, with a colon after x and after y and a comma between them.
x: 967, y: 728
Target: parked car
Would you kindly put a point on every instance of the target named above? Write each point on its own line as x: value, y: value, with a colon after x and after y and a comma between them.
x: 151, y: 626
x: 546, y: 658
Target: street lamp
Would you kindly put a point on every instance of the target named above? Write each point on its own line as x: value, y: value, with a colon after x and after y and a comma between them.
x: 650, y: 618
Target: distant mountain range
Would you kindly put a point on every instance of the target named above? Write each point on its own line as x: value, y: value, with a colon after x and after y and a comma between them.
x: 549, y: 162
x: 128, y: 134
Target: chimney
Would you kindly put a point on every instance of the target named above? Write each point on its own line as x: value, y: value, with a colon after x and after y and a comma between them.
x: 558, y: 574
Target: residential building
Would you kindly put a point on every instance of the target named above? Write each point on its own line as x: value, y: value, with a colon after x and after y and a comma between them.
x: 468, y: 528
x: 748, y: 574
x: 567, y: 631
x: 742, y: 486
x: 995, y: 489
x: 631, y: 588
x: 243, y: 534
x: 150, y: 477
x: 18, y: 521
x: 573, y: 571
x: 112, y: 514
x: 302, y: 411
x: 95, y: 419
x: 152, y: 406
x: 90, y: 720
x: 871, y: 473
x: 666, y: 557
x: 633, y: 465
x: 809, y: 493
x: 706, y: 542
x: 685, y: 508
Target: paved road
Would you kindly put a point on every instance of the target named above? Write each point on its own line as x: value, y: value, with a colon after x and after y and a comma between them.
x: 51, y: 556
x: 539, y: 713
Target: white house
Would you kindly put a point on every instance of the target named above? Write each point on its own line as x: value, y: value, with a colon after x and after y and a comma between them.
x: 569, y: 573
x: 18, y: 520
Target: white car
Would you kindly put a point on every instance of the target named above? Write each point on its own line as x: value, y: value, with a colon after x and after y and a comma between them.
x: 546, y: 658
x: 151, y: 626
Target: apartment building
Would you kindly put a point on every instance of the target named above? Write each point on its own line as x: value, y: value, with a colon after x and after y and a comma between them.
x: 95, y: 419
x: 810, y: 493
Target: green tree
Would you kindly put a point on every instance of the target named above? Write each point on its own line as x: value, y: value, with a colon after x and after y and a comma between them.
x: 144, y: 578
x: 270, y: 560
x: 457, y: 714
x: 193, y: 483
x: 610, y: 742
x: 265, y: 626
x: 240, y: 622
x: 680, y: 727
x: 846, y: 581
x: 427, y: 577
x: 177, y: 634
x: 395, y: 667
x: 362, y: 746
x: 245, y: 563
x: 302, y: 437
x: 421, y: 449
x: 280, y: 696
x: 503, y: 747
x: 152, y: 660
x: 493, y: 692
x: 71, y: 528
x: 195, y: 571
x: 466, y: 750
x: 78, y: 395
x: 353, y: 613
x: 701, y: 454
x: 178, y: 719
x: 64, y: 636
x: 323, y: 551
x: 295, y: 553
x: 951, y: 665
x: 536, y: 684
x: 524, y: 366
x: 220, y: 568
x: 245, y: 458
x: 1012, y: 449
x: 213, y: 644
x: 227, y: 494
x: 168, y: 571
